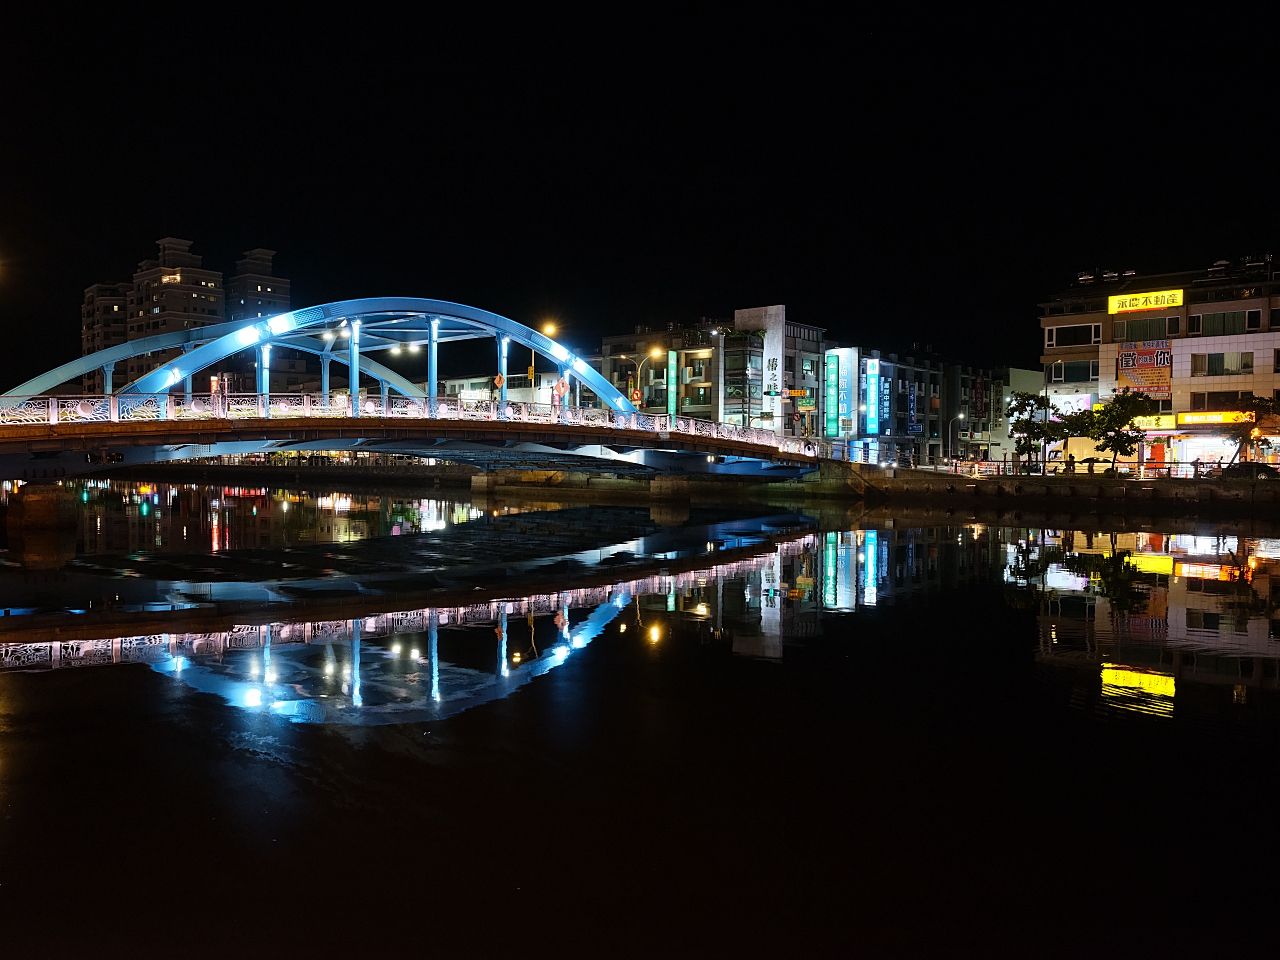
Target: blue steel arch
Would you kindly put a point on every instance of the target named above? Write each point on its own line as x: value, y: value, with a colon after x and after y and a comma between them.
x: 385, y: 323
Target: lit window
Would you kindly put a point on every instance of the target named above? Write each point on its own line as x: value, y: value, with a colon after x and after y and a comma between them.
x: 259, y: 288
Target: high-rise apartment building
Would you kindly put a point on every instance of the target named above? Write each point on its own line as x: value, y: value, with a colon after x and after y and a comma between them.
x: 173, y: 292
x: 252, y: 291
x: 104, y: 317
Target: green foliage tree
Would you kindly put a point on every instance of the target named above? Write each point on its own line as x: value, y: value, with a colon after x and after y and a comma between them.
x: 1251, y: 434
x: 1112, y: 428
x: 1032, y: 422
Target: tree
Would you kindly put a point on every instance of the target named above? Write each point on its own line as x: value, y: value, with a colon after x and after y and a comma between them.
x: 1111, y: 428
x: 1031, y: 422
x: 1250, y: 433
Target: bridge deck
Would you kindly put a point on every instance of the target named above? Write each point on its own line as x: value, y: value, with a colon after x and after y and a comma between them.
x: 97, y: 436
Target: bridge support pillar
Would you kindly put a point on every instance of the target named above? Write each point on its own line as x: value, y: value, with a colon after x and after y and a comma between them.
x: 108, y: 369
x: 433, y: 339
x: 324, y: 380
x: 264, y: 379
x: 669, y: 488
x: 186, y: 391
x: 386, y: 395
x: 483, y: 482
x: 354, y: 361
x: 502, y: 367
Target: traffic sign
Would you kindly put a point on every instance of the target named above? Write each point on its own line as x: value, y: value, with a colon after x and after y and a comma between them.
x: 799, y: 393
x: 499, y: 380
x: 636, y: 396
x: 795, y: 418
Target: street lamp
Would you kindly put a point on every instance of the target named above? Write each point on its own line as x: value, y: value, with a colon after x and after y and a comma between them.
x: 548, y: 329
x: 655, y: 352
x: 949, y: 425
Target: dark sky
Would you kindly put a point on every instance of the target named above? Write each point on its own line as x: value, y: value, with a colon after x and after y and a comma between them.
x: 908, y: 178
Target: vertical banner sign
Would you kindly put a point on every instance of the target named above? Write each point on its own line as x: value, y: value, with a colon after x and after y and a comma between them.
x: 911, y: 407
x: 885, y: 386
x: 980, y: 397
x: 671, y: 383
x: 1146, y: 366
x: 873, y: 397
x: 833, y: 414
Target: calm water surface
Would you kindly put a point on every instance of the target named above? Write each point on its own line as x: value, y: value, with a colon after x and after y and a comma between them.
x: 257, y: 720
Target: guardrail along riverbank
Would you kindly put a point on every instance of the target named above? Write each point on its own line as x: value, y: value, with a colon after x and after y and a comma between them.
x: 1120, y: 493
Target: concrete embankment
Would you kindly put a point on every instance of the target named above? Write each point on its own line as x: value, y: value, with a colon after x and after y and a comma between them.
x: 1072, y: 494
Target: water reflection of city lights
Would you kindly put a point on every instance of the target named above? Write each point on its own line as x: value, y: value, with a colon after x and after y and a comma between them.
x: 395, y: 648
x: 622, y: 628
x: 253, y: 698
x: 654, y: 634
x: 414, y: 653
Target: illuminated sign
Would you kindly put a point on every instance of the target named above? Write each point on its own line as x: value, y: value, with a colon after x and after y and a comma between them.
x: 1217, y: 416
x: 832, y: 392
x: 1164, y: 421
x: 1152, y: 300
x: 1121, y: 676
x: 1202, y: 571
x: 873, y: 395
x: 671, y: 384
x: 1145, y: 366
x: 1072, y: 402
x: 1152, y: 563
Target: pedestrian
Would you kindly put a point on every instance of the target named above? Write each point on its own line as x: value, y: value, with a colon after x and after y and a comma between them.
x: 1071, y: 464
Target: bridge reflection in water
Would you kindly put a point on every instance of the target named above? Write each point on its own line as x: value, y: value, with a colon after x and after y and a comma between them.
x: 1142, y: 621
x: 387, y: 668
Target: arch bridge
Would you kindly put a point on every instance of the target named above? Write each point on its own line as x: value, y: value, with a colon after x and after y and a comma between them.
x: 159, y: 416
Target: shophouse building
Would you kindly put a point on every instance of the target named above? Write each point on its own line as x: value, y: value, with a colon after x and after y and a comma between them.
x: 920, y: 407
x: 1196, y: 341
x: 756, y: 370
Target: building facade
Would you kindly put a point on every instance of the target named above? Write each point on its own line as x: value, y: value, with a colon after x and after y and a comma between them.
x: 175, y: 292
x: 1198, y: 342
x: 757, y: 370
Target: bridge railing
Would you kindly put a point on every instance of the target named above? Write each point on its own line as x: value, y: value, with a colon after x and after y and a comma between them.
x: 126, y: 408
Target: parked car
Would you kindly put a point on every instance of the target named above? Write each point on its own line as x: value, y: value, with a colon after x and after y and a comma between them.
x: 1250, y: 471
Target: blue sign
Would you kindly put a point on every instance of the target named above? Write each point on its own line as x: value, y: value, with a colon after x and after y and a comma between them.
x: 873, y: 392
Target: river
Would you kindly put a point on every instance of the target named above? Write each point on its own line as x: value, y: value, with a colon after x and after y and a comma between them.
x: 256, y: 720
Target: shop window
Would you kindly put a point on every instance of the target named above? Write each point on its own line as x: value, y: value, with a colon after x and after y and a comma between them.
x: 1199, y: 364
x: 1253, y: 320
x: 1198, y: 401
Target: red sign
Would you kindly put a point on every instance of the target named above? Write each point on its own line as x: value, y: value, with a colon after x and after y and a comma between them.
x: 795, y: 418
x: 980, y: 397
x: 636, y: 396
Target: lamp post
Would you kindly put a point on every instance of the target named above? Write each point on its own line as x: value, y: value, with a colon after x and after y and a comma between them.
x: 548, y: 329
x: 655, y: 352
x: 961, y: 416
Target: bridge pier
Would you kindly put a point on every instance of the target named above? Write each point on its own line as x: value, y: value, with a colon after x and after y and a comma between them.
x: 324, y: 380
x: 669, y: 488
x: 484, y: 482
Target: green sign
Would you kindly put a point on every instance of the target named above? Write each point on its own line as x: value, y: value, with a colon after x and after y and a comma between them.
x: 671, y: 383
x: 833, y: 387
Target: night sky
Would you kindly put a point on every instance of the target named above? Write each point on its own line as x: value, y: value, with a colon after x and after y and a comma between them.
x: 908, y: 179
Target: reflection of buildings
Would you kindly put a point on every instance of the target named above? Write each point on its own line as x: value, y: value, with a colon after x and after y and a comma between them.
x: 125, y: 517
x: 1159, y: 611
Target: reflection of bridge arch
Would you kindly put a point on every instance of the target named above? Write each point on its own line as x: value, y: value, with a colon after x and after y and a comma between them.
x: 346, y: 331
